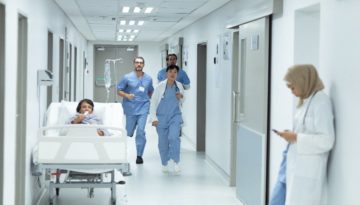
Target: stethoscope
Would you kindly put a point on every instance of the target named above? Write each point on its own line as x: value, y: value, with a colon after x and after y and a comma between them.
x: 307, y: 108
x: 176, y: 90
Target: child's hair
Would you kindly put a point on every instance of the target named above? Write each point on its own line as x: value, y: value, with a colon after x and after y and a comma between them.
x: 90, y: 102
x: 172, y: 67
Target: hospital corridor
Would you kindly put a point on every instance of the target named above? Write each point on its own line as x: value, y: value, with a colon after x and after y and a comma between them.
x: 180, y: 102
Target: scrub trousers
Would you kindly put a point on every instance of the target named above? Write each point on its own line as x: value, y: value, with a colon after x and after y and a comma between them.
x: 139, y: 122
x: 278, y: 196
x: 169, y: 142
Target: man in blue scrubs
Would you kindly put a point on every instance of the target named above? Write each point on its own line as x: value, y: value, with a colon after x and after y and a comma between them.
x: 136, y: 89
x: 182, y: 77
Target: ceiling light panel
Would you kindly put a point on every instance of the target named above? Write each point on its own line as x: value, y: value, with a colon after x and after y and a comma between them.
x: 148, y: 10
x: 140, y: 23
x: 125, y: 9
x: 137, y: 9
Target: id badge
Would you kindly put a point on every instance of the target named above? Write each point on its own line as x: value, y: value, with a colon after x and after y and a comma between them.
x: 141, y: 88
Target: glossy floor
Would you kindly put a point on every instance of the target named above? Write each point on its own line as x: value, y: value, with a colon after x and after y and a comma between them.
x: 197, y: 184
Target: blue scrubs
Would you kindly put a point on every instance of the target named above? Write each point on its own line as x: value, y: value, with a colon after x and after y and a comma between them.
x: 182, y: 77
x: 168, y: 129
x: 279, y: 193
x: 137, y: 109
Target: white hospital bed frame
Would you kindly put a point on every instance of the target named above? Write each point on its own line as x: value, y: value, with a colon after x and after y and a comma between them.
x: 52, y: 153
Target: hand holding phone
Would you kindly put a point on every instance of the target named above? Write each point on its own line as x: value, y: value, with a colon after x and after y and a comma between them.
x: 276, y: 131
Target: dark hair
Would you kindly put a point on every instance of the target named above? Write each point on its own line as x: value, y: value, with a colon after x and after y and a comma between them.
x: 172, y: 67
x: 139, y: 57
x: 90, y: 102
x: 171, y: 54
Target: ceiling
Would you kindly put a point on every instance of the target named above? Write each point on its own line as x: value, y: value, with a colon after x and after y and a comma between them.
x: 99, y: 20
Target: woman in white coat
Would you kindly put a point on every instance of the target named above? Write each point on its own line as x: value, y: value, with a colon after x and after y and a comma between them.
x: 165, y: 115
x: 310, y: 141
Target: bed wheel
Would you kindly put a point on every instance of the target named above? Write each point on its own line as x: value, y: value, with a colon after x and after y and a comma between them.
x: 57, y: 190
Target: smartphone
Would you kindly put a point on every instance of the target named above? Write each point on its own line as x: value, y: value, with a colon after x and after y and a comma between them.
x: 275, y: 131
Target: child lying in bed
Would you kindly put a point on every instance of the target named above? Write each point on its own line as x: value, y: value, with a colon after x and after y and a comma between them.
x: 85, y: 115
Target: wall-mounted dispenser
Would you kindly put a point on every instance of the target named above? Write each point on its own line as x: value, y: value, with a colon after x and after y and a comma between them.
x: 44, y: 77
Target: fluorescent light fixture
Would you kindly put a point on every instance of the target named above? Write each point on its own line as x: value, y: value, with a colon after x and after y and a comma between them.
x: 137, y: 9
x: 148, y: 10
x: 128, y: 30
x: 100, y: 48
x: 140, y: 23
x: 131, y: 39
x: 121, y: 30
x: 119, y: 38
x: 132, y: 22
x: 132, y: 36
x: 122, y: 22
x: 125, y: 9
x: 136, y: 31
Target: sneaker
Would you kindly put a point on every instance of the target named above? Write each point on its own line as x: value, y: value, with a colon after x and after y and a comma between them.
x: 177, y: 169
x: 139, y: 160
x: 164, y: 169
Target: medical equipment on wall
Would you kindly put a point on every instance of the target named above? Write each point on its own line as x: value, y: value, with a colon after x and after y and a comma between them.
x: 44, y: 78
x: 107, y: 75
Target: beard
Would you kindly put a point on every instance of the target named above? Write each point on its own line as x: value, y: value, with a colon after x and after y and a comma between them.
x: 138, y: 68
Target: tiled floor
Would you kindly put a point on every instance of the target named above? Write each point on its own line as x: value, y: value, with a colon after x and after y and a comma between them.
x: 197, y: 184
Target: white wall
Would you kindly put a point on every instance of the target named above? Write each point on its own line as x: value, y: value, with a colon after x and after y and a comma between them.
x: 339, y: 69
x: 43, y: 15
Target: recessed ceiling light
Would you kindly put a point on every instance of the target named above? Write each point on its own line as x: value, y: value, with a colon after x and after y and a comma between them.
x: 128, y: 30
x: 121, y: 30
x: 137, y: 10
x: 140, y: 23
x: 125, y: 9
x: 132, y: 22
x: 148, y: 10
x: 122, y: 22
x: 136, y: 31
x: 132, y: 36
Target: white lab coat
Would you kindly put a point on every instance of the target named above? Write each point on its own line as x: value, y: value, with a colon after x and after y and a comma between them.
x: 157, y: 96
x: 307, y: 158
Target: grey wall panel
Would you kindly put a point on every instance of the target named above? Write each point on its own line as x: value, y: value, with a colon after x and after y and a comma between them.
x: 250, y: 176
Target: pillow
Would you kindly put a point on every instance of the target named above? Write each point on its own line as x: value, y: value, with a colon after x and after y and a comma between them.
x: 52, y: 114
x: 67, y: 110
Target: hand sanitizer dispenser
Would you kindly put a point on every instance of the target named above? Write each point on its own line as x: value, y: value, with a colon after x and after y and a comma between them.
x: 44, y: 77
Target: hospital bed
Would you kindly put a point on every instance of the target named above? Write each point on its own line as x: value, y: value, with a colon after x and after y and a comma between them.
x: 74, y: 156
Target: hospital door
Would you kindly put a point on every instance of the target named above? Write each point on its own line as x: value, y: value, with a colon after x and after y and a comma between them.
x: 251, y: 117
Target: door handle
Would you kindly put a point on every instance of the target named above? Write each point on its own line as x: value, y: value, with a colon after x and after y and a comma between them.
x: 236, y: 115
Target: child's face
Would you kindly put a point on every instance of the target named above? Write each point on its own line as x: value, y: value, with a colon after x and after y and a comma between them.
x: 85, y: 107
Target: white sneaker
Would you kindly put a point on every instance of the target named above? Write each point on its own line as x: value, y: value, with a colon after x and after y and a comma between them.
x: 177, y: 169
x: 164, y: 169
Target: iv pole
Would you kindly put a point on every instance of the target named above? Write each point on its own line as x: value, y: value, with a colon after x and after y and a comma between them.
x: 108, y: 84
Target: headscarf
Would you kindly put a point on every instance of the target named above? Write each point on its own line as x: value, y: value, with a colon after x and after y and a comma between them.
x: 306, y: 78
